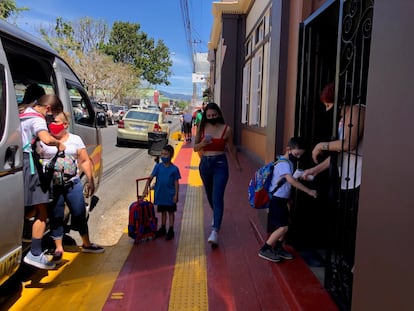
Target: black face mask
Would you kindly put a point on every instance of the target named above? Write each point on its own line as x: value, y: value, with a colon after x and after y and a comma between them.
x: 293, y: 159
x: 49, y: 119
x: 212, y: 120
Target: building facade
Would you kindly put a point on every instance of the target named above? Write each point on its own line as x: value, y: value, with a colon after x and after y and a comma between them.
x: 270, y: 60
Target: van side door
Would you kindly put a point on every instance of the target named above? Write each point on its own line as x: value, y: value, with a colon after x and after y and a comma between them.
x: 11, y: 175
x: 76, y: 101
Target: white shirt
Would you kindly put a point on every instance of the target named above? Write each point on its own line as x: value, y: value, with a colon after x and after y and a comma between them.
x: 30, y: 127
x: 73, y: 144
x: 282, y: 168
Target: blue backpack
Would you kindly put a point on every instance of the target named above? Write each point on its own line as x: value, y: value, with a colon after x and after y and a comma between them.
x: 259, y: 193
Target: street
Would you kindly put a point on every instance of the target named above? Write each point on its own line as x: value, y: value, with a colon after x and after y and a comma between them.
x: 121, y: 167
x: 108, y: 221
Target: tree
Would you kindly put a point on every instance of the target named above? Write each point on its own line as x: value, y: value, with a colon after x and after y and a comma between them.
x: 61, y: 38
x: 127, y: 44
x: 9, y: 8
x: 90, y: 33
x: 77, y: 42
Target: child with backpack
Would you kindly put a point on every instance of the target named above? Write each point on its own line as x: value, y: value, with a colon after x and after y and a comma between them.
x: 165, y: 191
x: 278, y: 216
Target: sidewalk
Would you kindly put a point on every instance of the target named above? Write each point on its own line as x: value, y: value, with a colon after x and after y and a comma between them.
x: 186, y: 274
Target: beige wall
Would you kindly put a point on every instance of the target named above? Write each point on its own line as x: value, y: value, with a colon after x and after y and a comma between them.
x: 384, y: 273
x: 255, y: 142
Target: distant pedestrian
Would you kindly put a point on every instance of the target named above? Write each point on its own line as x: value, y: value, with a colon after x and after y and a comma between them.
x: 187, y: 121
x: 278, y: 217
x: 212, y: 137
x: 165, y: 191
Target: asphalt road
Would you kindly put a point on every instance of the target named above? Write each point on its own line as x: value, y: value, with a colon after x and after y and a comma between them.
x: 117, y: 190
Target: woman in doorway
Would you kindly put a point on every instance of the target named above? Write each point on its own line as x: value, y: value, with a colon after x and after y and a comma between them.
x: 349, y: 146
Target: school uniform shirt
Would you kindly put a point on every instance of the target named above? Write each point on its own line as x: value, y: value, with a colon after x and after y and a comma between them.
x: 281, y: 168
x: 31, y: 127
x: 164, y: 190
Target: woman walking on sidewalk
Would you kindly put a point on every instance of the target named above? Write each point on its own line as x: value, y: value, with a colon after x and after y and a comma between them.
x: 212, y: 137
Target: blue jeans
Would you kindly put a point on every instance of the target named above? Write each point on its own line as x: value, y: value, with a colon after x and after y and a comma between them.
x: 73, y: 196
x: 214, y: 172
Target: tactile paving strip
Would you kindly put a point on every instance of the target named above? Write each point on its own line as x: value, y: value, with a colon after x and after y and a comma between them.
x: 189, y: 285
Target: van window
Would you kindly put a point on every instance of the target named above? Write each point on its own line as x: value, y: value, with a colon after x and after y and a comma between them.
x: 2, y: 101
x: 81, y: 107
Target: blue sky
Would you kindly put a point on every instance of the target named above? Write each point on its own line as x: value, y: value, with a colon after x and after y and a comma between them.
x: 160, y: 19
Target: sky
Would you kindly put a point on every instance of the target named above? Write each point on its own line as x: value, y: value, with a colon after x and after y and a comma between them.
x: 160, y: 19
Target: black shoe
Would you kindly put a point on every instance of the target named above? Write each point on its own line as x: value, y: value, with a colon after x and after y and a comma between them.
x: 270, y: 255
x: 161, y: 232
x: 170, y: 234
x: 283, y: 253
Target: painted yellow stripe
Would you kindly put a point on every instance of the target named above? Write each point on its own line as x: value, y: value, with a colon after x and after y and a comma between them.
x: 189, y: 285
x: 83, y: 282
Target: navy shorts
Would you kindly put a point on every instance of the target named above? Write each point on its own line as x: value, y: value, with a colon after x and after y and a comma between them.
x: 278, y: 214
x: 167, y: 208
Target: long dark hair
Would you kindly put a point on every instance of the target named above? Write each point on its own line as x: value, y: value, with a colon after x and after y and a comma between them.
x: 211, y: 106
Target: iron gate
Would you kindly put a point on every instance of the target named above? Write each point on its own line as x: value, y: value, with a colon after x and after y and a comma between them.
x: 335, y: 47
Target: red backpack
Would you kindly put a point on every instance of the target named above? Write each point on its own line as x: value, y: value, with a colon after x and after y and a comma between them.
x: 142, y: 224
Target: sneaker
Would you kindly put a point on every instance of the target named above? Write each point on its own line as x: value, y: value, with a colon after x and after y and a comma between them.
x: 213, y: 238
x: 283, y: 253
x: 161, y: 232
x: 57, y: 258
x: 41, y: 261
x: 93, y: 248
x: 270, y: 255
x: 170, y: 234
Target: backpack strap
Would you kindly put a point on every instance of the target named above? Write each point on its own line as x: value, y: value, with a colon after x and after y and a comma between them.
x: 26, y: 115
x: 282, y: 180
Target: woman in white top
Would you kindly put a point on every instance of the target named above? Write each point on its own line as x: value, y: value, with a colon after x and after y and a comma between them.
x: 71, y: 190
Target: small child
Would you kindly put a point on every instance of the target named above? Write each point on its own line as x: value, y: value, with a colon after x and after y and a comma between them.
x: 278, y: 208
x: 165, y: 190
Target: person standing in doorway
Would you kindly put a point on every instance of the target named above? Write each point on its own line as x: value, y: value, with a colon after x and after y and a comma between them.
x: 212, y: 137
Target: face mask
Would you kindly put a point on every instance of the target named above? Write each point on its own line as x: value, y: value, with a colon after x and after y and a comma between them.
x: 165, y: 159
x: 49, y: 119
x: 212, y: 120
x: 56, y: 129
x: 293, y: 159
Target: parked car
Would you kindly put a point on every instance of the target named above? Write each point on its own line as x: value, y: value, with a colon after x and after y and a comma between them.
x: 119, y: 112
x: 109, y: 112
x: 101, y: 118
x: 136, y: 124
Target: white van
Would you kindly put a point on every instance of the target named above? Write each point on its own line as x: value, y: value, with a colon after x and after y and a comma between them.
x: 24, y: 60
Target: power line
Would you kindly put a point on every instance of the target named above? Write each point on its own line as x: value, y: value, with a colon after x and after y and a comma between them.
x: 187, y: 29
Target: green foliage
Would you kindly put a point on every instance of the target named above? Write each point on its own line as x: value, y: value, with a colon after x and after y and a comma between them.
x: 182, y: 104
x: 127, y: 44
x: 60, y: 37
x: 9, y: 8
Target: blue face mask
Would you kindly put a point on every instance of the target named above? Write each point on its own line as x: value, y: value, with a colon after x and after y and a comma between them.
x: 165, y: 159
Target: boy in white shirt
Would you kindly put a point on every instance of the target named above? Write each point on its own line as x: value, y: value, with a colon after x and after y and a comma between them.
x: 278, y: 216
